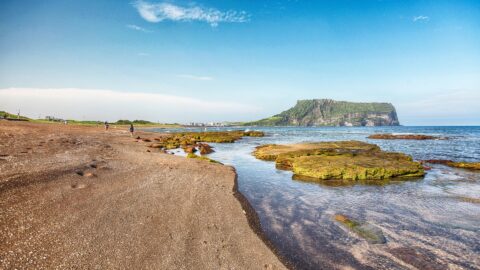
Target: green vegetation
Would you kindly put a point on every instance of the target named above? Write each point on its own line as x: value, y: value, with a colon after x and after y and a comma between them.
x: 135, y: 122
x: 192, y: 155
x: 352, y: 161
x: 4, y: 114
x: 327, y: 112
x: 143, y: 123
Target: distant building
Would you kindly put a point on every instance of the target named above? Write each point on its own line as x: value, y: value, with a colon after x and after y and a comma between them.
x: 210, y: 124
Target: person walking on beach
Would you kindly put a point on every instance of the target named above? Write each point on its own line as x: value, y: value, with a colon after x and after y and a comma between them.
x: 131, y: 130
x: 106, y: 125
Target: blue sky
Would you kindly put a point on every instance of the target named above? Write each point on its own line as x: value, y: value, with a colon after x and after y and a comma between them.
x: 182, y: 61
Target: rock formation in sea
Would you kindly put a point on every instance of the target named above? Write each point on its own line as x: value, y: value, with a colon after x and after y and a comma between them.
x: 328, y: 112
x: 343, y: 160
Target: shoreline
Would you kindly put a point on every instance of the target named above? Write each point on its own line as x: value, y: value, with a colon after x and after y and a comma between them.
x: 255, y: 225
x: 82, y: 197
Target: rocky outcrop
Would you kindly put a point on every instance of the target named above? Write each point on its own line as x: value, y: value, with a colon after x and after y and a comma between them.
x: 194, y: 139
x: 327, y: 112
x: 205, y: 149
x: 344, y: 160
x: 462, y: 164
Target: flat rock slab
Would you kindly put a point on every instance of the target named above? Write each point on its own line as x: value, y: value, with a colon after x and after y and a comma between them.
x: 346, y: 160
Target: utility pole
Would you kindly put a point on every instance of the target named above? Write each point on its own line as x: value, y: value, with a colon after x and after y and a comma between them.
x: 18, y: 114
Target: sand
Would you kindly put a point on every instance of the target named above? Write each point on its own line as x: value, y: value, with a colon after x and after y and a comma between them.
x: 79, y: 197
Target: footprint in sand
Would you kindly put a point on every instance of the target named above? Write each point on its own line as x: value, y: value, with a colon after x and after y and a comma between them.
x: 89, y: 174
x: 87, y: 170
x: 85, y: 174
x: 78, y: 186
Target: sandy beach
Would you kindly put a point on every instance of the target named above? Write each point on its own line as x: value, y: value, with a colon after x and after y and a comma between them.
x: 79, y: 197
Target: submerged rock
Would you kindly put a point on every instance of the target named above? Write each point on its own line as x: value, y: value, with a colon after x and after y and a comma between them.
x: 404, y: 137
x: 346, y: 160
x: 372, y: 234
x: 468, y: 199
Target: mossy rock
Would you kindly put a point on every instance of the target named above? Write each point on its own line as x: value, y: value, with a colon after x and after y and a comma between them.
x: 468, y: 199
x: 220, y: 136
x: 466, y: 165
x: 461, y: 164
x: 253, y: 134
x: 188, y: 140
x: 192, y: 155
x: 272, y: 151
x: 369, y: 165
x: 345, y: 160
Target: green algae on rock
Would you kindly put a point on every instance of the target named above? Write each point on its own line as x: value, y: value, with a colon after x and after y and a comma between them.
x: 461, y: 164
x: 220, y: 136
x: 346, y: 160
x: 272, y: 151
x: 192, y: 155
x: 184, y: 139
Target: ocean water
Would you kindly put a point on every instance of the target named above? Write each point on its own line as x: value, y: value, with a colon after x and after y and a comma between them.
x: 427, y: 222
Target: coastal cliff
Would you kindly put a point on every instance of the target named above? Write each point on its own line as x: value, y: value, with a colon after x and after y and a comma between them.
x: 327, y: 112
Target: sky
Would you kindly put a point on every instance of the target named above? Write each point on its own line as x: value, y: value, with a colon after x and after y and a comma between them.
x: 203, y: 61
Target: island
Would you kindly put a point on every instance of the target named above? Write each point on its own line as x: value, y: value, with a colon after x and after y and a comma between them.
x: 328, y: 112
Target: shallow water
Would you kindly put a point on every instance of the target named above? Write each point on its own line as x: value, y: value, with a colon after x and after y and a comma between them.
x: 426, y: 221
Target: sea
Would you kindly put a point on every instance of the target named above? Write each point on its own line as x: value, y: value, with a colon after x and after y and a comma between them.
x: 432, y: 222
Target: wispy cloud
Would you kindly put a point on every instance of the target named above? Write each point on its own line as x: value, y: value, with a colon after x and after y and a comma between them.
x: 194, y: 77
x: 138, y: 28
x: 420, y: 18
x: 158, y: 12
x: 74, y: 103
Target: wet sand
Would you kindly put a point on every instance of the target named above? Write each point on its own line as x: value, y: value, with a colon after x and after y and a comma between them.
x: 80, y: 197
